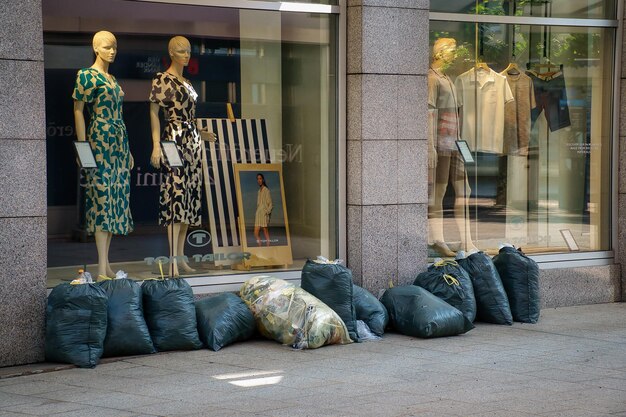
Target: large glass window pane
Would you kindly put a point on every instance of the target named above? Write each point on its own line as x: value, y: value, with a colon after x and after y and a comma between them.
x: 276, y: 71
x: 534, y: 105
x: 579, y: 9
x: 331, y: 2
x: 454, y: 6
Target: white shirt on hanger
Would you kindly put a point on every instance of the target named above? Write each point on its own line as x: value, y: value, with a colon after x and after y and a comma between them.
x: 482, y: 95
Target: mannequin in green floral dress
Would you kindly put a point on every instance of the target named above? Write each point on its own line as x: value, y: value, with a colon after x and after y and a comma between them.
x: 107, y: 209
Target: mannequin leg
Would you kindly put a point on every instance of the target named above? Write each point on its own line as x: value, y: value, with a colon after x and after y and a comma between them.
x: 435, y: 211
x: 257, y: 236
x: 173, y: 231
x: 435, y: 223
x: 103, y: 254
x: 182, y: 236
x: 110, y: 272
x: 461, y: 214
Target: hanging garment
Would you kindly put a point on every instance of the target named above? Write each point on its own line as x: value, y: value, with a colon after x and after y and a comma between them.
x: 483, y: 96
x: 551, y: 97
x: 517, y: 114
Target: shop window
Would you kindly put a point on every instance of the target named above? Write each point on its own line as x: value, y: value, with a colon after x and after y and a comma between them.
x: 330, y: 2
x: 531, y: 107
x: 572, y: 9
x: 266, y: 84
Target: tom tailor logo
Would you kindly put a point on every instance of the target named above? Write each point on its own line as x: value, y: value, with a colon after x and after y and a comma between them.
x: 199, y: 238
x: 233, y: 256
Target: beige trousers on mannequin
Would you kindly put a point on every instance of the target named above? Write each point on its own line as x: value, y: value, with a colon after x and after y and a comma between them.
x: 461, y: 211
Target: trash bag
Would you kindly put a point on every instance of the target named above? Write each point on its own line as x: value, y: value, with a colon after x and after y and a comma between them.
x: 170, y: 314
x: 222, y: 320
x: 292, y: 316
x: 331, y: 283
x: 76, y: 324
x: 520, y: 278
x: 492, y: 304
x: 414, y: 311
x: 448, y: 281
x: 370, y: 310
x: 127, y: 331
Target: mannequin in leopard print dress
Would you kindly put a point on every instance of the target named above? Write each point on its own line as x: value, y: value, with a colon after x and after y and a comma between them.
x: 181, y: 192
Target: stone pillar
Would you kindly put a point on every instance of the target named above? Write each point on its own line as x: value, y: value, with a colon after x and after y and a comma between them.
x: 22, y: 184
x: 387, y: 149
x: 620, y: 251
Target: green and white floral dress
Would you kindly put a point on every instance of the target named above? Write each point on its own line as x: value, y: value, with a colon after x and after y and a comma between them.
x: 107, y: 205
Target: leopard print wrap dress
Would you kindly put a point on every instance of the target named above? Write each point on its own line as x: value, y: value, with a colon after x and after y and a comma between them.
x: 181, y: 190
x: 107, y: 187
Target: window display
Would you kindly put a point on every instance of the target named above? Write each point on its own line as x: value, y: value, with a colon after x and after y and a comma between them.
x: 534, y: 104
x: 225, y: 87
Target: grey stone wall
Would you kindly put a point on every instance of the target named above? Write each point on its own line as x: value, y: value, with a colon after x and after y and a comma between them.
x: 621, y: 202
x: 22, y: 184
x: 387, y: 112
x: 577, y: 286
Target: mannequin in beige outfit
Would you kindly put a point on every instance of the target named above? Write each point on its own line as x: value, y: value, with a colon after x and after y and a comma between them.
x: 444, y: 160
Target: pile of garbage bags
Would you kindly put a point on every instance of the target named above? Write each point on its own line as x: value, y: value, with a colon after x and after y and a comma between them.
x: 117, y: 317
x: 86, y: 321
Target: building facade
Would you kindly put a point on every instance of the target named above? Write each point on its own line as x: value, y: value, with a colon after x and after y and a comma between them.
x: 338, y: 99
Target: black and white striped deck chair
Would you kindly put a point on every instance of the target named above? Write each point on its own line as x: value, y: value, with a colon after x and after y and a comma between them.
x: 239, y: 141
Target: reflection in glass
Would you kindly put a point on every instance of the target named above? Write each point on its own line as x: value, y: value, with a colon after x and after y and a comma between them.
x: 578, y: 9
x: 535, y: 107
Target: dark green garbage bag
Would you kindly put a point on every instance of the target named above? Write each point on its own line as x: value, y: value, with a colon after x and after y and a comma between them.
x: 414, y: 311
x: 127, y: 332
x: 223, y: 319
x: 448, y: 281
x: 492, y: 304
x: 520, y: 278
x: 370, y: 310
x: 170, y: 314
x: 332, y: 284
x: 76, y: 324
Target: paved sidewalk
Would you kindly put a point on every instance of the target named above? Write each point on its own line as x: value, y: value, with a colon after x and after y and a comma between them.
x: 573, y: 363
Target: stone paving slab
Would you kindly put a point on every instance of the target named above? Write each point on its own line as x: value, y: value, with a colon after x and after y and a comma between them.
x: 572, y: 363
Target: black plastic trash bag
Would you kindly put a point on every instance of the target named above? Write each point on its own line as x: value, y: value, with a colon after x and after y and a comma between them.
x: 223, y: 319
x: 414, y: 311
x: 370, y: 310
x: 76, y: 324
x: 448, y: 281
x: 492, y: 304
x: 520, y: 278
x: 170, y: 314
x: 332, y: 284
x: 127, y: 331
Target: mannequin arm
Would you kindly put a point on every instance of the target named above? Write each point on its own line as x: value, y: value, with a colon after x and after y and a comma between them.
x: 432, y: 134
x: 79, y: 120
x: 155, y: 125
x: 208, y: 136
